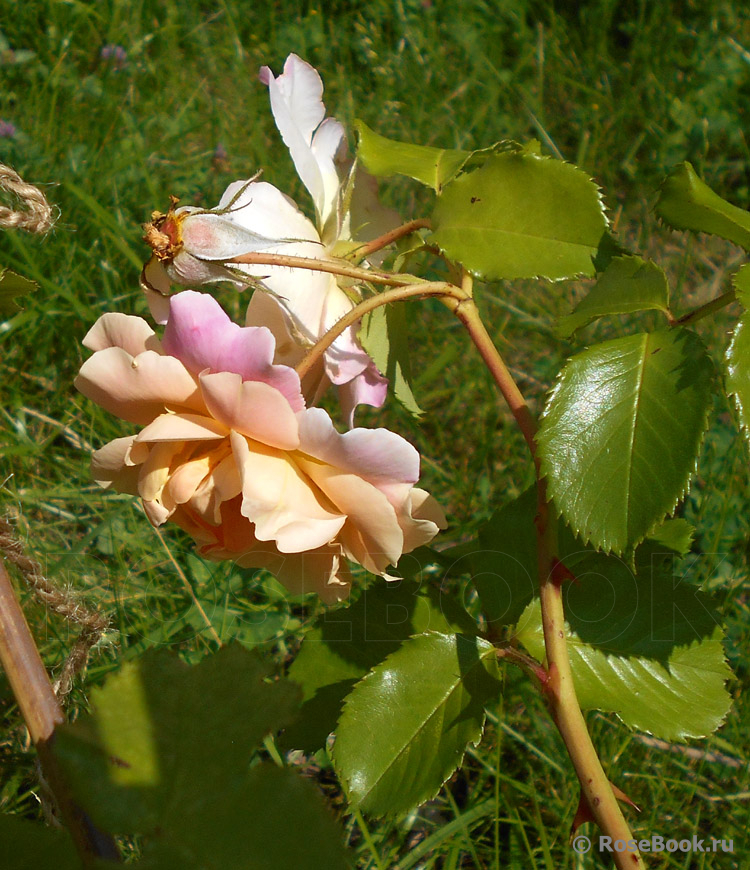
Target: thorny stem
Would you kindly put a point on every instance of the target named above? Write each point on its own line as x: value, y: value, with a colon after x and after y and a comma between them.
x: 704, y: 310
x: 468, y: 314
x: 42, y: 713
x: 329, y: 265
x: 390, y: 237
x: 558, y: 687
x: 561, y: 696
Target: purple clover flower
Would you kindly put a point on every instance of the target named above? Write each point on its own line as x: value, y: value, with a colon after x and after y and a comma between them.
x: 115, y: 55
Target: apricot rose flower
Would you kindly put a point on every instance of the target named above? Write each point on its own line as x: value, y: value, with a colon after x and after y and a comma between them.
x: 231, y: 454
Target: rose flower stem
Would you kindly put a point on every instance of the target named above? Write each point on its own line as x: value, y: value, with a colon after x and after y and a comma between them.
x: 390, y: 237
x: 452, y: 294
x: 559, y: 690
x: 330, y: 265
x: 41, y: 711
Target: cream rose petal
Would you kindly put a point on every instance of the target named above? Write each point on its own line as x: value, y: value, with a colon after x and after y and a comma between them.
x: 257, y: 206
x: 183, y: 427
x: 297, y: 106
x: 187, y: 477
x: 265, y: 310
x: 139, y: 388
x: 130, y: 333
x: 372, y: 532
x: 109, y: 466
x: 156, y: 286
x: 323, y: 571
x: 422, y: 521
x: 226, y: 484
x: 155, y: 470
x: 280, y: 500
x: 254, y: 409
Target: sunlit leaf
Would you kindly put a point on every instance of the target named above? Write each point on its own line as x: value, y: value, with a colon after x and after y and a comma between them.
x: 686, y: 202
x: 384, y: 157
x: 11, y: 287
x: 345, y: 643
x: 628, y: 284
x: 621, y: 432
x: 384, y: 335
x: 521, y: 216
x: 415, y: 713
x: 738, y: 352
x: 646, y: 647
x: 674, y: 536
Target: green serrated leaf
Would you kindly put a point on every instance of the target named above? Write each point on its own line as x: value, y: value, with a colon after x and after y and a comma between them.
x: 675, y: 536
x: 416, y: 713
x: 628, y: 284
x: 345, y: 644
x: 30, y: 846
x: 160, y: 730
x: 384, y: 336
x: 503, y: 560
x: 686, y: 202
x: 273, y: 820
x: 738, y: 352
x: 424, y: 163
x: 521, y: 216
x: 646, y: 647
x: 621, y: 432
x: 11, y: 287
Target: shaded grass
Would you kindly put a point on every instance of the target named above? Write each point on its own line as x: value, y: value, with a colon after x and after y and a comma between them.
x: 625, y: 89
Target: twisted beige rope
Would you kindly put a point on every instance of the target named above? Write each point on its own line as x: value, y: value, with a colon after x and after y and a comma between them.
x: 37, y: 217
x: 62, y: 601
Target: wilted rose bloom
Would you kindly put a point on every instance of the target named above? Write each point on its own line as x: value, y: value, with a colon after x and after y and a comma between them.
x: 231, y: 454
x: 197, y: 246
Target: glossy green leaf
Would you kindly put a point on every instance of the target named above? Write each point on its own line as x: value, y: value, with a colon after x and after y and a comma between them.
x: 521, y: 216
x: 738, y: 352
x: 384, y: 335
x: 159, y: 730
x: 628, y: 284
x: 407, y: 724
x: 384, y: 157
x: 621, y: 433
x: 32, y: 846
x: 686, y: 202
x: 646, y: 647
x: 346, y: 643
x: 11, y: 287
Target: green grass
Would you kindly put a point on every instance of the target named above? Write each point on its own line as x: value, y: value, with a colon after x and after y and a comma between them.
x: 625, y: 89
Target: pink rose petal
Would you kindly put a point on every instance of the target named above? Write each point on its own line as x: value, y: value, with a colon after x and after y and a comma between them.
x: 202, y: 336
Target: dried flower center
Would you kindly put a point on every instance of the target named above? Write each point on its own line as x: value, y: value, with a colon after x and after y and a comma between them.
x: 162, y: 233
